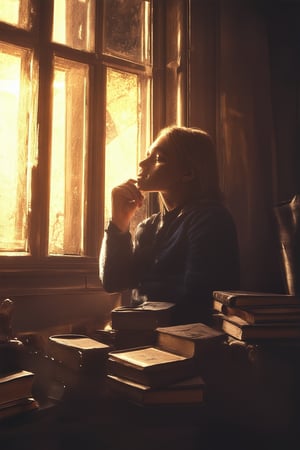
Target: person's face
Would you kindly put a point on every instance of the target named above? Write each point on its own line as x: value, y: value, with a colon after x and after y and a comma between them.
x: 160, y: 171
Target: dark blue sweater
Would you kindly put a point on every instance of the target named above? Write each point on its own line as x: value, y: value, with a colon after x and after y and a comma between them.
x: 180, y: 256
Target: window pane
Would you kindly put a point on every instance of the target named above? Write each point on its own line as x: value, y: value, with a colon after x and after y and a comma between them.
x: 15, y: 12
x: 15, y: 175
x: 74, y: 23
x: 123, y: 132
x: 127, y: 29
x: 68, y: 157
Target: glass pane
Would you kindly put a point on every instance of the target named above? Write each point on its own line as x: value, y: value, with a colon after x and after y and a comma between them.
x: 74, y: 23
x: 125, y: 141
x: 68, y: 155
x: 15, y: 88
x: 127, y: 29
x: 16, y: 13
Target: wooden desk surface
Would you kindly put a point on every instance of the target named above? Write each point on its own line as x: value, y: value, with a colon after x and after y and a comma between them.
x: 99, y: 421
x: 103, y: 422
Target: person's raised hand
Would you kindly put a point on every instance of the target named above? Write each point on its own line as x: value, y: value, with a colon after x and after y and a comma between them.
x: 126, y: 198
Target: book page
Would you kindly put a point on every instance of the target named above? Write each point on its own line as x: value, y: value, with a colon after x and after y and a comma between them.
x: 149, y: 356
x: 15, y: 375
x: 193, y: 331
x: 81, y: 343
x: 146, y: 306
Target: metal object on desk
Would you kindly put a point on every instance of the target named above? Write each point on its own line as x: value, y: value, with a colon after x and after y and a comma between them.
x: 10, y: 347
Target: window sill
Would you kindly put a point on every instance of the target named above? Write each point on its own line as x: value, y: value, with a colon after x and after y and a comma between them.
x: 49, y: 277
x: 53, y: 264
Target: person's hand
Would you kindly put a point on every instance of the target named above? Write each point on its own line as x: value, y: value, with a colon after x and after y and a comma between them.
x: 126, y: 198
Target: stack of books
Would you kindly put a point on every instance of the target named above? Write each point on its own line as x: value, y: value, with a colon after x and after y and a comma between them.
x: 248, y: 316
x: 166, y: 373
x: 16, y: 393
x: 79, y: 365
x: 134, y: 326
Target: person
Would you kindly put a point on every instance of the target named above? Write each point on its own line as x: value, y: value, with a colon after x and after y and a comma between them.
x: 188, y: 249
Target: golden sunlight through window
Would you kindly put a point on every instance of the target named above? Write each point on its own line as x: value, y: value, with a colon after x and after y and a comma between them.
x: 74, y: 23
x: 68, y: 156
x: 14, y: 159
x: 63, y: 65
x: 122, y: 131
x: 16, y: 12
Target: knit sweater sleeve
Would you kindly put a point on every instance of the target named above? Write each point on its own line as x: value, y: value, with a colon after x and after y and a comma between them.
x: 116, y: 260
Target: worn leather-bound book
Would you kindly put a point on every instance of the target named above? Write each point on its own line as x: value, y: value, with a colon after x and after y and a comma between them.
x: 150, y: 365
x: 78, y: 352
x: 146, y: 316
x: 261, y: 314
x: 242, y: 330
x: 15, y: 386
x: 249, y: 298
x: 188, y: 391
x: 17, y: 407
x: 190, y: 340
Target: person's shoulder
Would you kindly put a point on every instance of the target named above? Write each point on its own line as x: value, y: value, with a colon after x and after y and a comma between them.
x: 208, y: 212
x: 200, y: 208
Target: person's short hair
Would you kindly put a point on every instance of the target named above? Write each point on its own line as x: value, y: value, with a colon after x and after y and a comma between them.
x: 195, y: 148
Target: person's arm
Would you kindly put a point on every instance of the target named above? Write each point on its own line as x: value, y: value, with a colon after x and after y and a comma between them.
x: 116, y: 259
x: 116, y: 256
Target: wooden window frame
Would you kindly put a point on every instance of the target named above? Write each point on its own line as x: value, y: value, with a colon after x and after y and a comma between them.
x: 38, y: 271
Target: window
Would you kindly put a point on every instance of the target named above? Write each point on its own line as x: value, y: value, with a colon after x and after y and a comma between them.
x: 75, y: 99
x: 84, y: 85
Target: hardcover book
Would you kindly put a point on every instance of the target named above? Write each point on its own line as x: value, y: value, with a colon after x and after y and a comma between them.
x: 261, y: 314
x: 119, y: 339
x: 150, y: 365
x: 78, y: 352
x: 248, y: 298
x: 17, y: 407
x: 242, y: 330
x: 67, y: 383
x: 134, y: 338
x: 147, y: 316
x: 189, y: 339
x: 15, y: 386
x: 188, y: 391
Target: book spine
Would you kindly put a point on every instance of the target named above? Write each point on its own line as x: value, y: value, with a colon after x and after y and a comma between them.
x: 220, y: 296
x: 224, y: 297
x: 139, y: 321
x: 233, y: 330
x: 159, y: 378
x: 243, y: 314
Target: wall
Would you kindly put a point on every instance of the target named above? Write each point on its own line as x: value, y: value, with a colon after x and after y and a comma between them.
x: 51, y: 302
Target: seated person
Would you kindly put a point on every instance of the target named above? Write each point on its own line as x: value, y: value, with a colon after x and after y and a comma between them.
x: 187, y: 250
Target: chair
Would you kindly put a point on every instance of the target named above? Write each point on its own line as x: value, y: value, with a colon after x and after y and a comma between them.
x: 287, y: 215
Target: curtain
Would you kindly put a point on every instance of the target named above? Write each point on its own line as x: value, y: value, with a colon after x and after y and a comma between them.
x: 247, y: 147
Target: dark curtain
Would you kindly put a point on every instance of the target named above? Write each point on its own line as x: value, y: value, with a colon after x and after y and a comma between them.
x: 244, y: 89
x: 283, y: 25
x: 247, y: 144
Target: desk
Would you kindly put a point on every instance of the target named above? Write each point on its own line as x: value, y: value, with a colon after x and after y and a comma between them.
x: 99, y: 422
x: 107, y: 423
